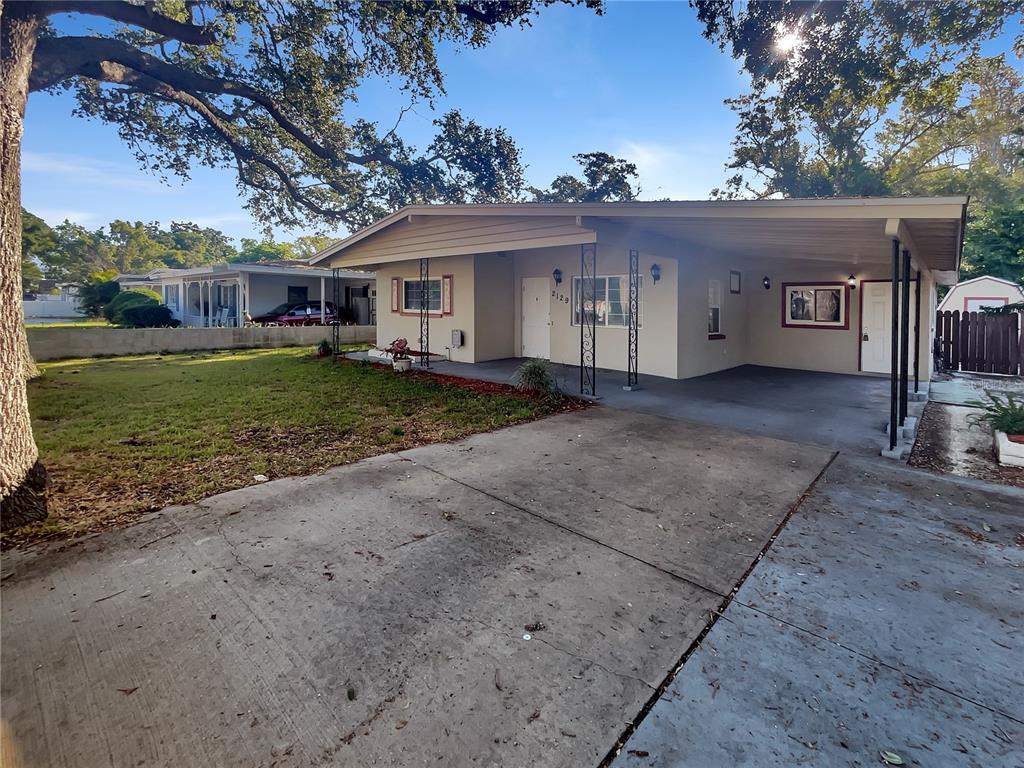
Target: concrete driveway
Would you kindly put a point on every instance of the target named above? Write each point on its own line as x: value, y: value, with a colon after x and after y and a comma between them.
x: 888, y: 615
x: 378, y: 614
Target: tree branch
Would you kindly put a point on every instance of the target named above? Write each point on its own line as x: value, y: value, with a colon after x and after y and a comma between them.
x: 113, y: 72
x: 130, y: 13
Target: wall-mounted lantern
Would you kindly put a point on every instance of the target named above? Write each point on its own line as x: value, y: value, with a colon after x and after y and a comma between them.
x: 655, y: 273
x: 766, y: 282
x: 557, y: 274
x: 852, y: 282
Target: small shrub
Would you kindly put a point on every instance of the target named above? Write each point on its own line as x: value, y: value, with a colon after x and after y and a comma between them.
x: 324, y: 349
x: 535, y: 376
x: 114, y: 311
x: 1003, y: 414
x: 148, y: 316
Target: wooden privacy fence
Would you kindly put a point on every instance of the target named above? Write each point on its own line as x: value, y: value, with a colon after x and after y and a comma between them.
x: 977, y: 341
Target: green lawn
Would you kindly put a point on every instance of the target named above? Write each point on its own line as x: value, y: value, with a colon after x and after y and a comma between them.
x: 83, y: 323
x: 121, y: 436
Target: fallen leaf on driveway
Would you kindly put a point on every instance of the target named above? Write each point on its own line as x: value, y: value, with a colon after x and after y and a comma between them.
x: 401, y: 724
x: 890, y: 758
x: 128, y: 691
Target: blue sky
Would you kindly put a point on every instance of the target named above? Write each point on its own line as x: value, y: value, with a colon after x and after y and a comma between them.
x: 639, y: 82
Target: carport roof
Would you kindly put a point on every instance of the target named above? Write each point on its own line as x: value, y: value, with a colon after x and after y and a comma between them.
x: 858, y: 228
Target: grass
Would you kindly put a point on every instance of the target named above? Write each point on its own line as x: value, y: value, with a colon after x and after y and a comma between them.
x: 122, y: 436
x: 84, y: 323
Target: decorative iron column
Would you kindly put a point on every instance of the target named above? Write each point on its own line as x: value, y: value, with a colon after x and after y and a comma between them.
x: 633, y: 320
x: 425, y: 313
x: 587, y: 298
x: 894, y: 351
x: 336, y: 320
x: 917, y: 329
x: 904, y: 335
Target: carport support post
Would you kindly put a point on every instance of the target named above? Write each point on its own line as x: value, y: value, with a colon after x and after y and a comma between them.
x: 425, y: 313
x: 904, y: 336
x: 894, y: 347
x: 917, y: 329
x: 633, y: 340
x: 588, y: 321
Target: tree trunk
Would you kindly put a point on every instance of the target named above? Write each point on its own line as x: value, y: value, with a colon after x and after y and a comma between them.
x: 23, y: 479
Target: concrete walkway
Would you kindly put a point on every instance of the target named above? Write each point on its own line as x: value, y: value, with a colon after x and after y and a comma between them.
x: 378, y: 614
x: 835, y: 411
x: 888, y: 615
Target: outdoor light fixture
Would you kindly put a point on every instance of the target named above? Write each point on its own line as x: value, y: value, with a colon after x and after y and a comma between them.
x: 852, y: 282
x: 655, y: 273
x: 766, y: 282
x: 557, y: 274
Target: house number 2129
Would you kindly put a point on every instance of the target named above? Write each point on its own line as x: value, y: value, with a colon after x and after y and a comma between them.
x: 560, y: 297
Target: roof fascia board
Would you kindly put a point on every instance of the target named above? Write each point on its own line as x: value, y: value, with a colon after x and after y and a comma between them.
x: 466, y: 250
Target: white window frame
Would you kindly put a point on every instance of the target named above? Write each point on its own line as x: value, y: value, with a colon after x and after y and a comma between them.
x: 624, y: 290
x: 416, y: 309
x: 715, y: 302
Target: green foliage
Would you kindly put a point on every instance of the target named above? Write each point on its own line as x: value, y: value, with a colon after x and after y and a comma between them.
x: 994, y: 244
x: 324, y: 348
x: 267, y: 90
x: 871, y: 98
x: 1003, y: 413
x: 136, y: 297
x: 265, y: 250
x: 146, y: 315
x: 98, y: 291
x: 37, y: 239
x: 78, y: 254
x: 605, y: 178
x: 535, y: 376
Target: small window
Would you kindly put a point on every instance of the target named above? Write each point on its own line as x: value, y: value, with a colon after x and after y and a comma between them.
x: 714, y: 307
x: 609, y: 304
x: 412, y: 292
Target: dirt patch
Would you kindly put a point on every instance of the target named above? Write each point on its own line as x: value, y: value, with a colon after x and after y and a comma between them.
x: 951, y: 442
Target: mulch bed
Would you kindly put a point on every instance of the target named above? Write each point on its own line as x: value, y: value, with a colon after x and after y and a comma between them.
x: 482, y: 387
x: 946, y: 444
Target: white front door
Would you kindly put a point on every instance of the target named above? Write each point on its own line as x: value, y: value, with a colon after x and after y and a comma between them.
x: 536, y: 317
x: 876, y: 327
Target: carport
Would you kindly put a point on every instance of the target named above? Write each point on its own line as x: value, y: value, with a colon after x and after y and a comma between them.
x: 676, y: 290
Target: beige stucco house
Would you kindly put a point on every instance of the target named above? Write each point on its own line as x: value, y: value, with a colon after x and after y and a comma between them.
x: 800, y: 284
x: 980, y: 292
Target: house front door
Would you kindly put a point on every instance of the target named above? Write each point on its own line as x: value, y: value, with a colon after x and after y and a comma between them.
x: 876, y: 327
x: 536, y: 329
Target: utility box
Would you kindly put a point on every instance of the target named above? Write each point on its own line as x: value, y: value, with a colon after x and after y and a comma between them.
x: 458, y: 338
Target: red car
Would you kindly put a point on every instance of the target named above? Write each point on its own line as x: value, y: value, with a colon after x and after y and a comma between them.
x: 305, y: 313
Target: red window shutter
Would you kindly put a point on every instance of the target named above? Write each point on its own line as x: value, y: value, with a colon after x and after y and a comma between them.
x: 446, y: 295
x: 395, y: 289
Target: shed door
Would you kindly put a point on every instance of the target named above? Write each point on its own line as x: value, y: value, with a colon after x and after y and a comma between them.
x: 536, y: 317
x: 876, y: 327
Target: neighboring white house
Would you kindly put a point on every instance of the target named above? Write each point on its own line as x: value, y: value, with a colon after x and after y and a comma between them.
x: 53, y: 301
x: 225, y: 294
x: 980, y: 292
x: 802, y: 284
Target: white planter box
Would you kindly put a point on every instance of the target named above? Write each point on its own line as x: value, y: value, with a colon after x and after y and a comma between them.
x: 1009, y: 452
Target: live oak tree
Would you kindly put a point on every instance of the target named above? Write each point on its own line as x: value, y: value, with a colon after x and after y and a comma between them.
x: 877, y: 97
x: 606, y: 178
x: 267, y: 88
